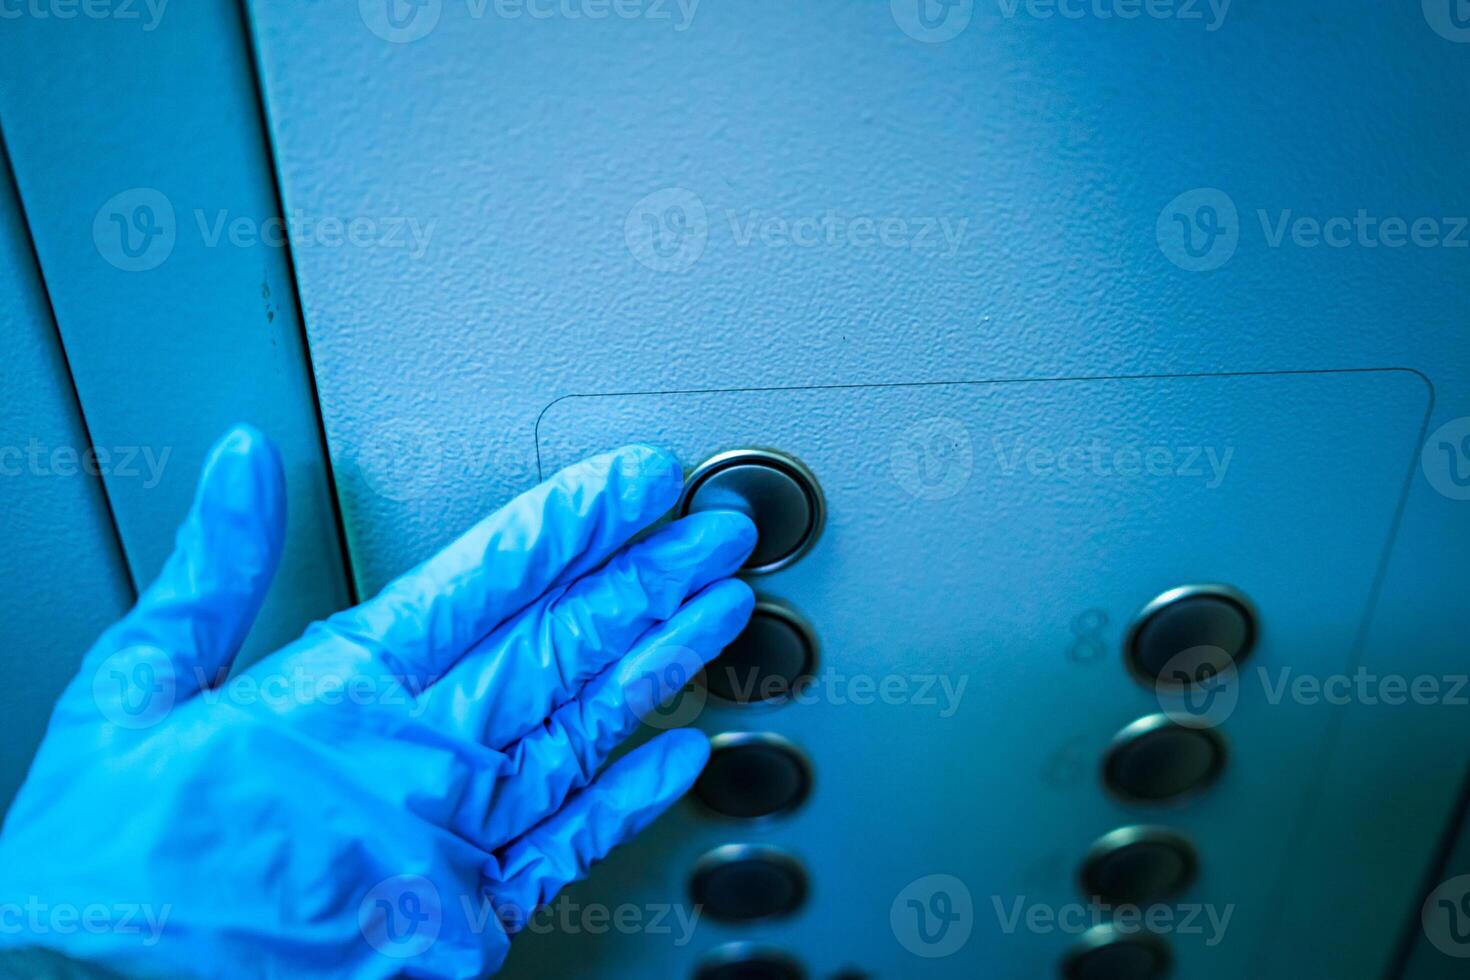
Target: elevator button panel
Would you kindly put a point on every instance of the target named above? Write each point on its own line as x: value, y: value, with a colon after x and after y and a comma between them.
x: 1138, y: 866
x: 744, y: 883
x: 1156, y: 759
x: 775, y: 491
x: 1190, y: 634
x: 753, y: 774
x: 768, y: 661
x: 953, y: 568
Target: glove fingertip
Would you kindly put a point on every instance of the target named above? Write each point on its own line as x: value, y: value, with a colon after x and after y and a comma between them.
x: 243, y: 474
x: 735, y: 531
x: 684, y: 753
x: 188, y: 624
x: 729, y: 603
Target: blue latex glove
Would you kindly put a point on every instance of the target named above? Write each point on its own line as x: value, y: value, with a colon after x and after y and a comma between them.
x: 393, y: 793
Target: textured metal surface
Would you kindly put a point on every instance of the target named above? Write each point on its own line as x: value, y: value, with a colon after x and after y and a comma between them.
x: 107, y: 115
x: 1055, y: 152
x: 62, y: 577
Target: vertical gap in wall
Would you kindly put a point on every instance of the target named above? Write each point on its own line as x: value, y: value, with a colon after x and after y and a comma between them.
x: 247, y: 31
x: 11, y: 183
x: 1439, y: 868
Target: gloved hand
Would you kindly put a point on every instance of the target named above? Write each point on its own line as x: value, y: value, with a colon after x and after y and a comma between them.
x: 394, y: 792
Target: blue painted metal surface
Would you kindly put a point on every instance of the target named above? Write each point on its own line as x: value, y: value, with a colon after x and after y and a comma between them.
x: 62, y: 577
x: 145, y: 174
x: 743, y: 201
x: 772, y: 195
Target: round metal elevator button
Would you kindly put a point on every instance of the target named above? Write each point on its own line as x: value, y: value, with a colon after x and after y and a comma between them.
x: 771, y: 658
x: 1104, y: 953
x: 1157, y: 759
x: 745, y: 882
x: 1138, y: 866
x: 743, y: 961
x: 776, y: 492
x: 753, y: 774
x: 1190, y: 634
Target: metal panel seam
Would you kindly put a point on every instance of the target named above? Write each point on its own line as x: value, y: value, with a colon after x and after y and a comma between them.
x: 118, y: 552
x: 247, y: 31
